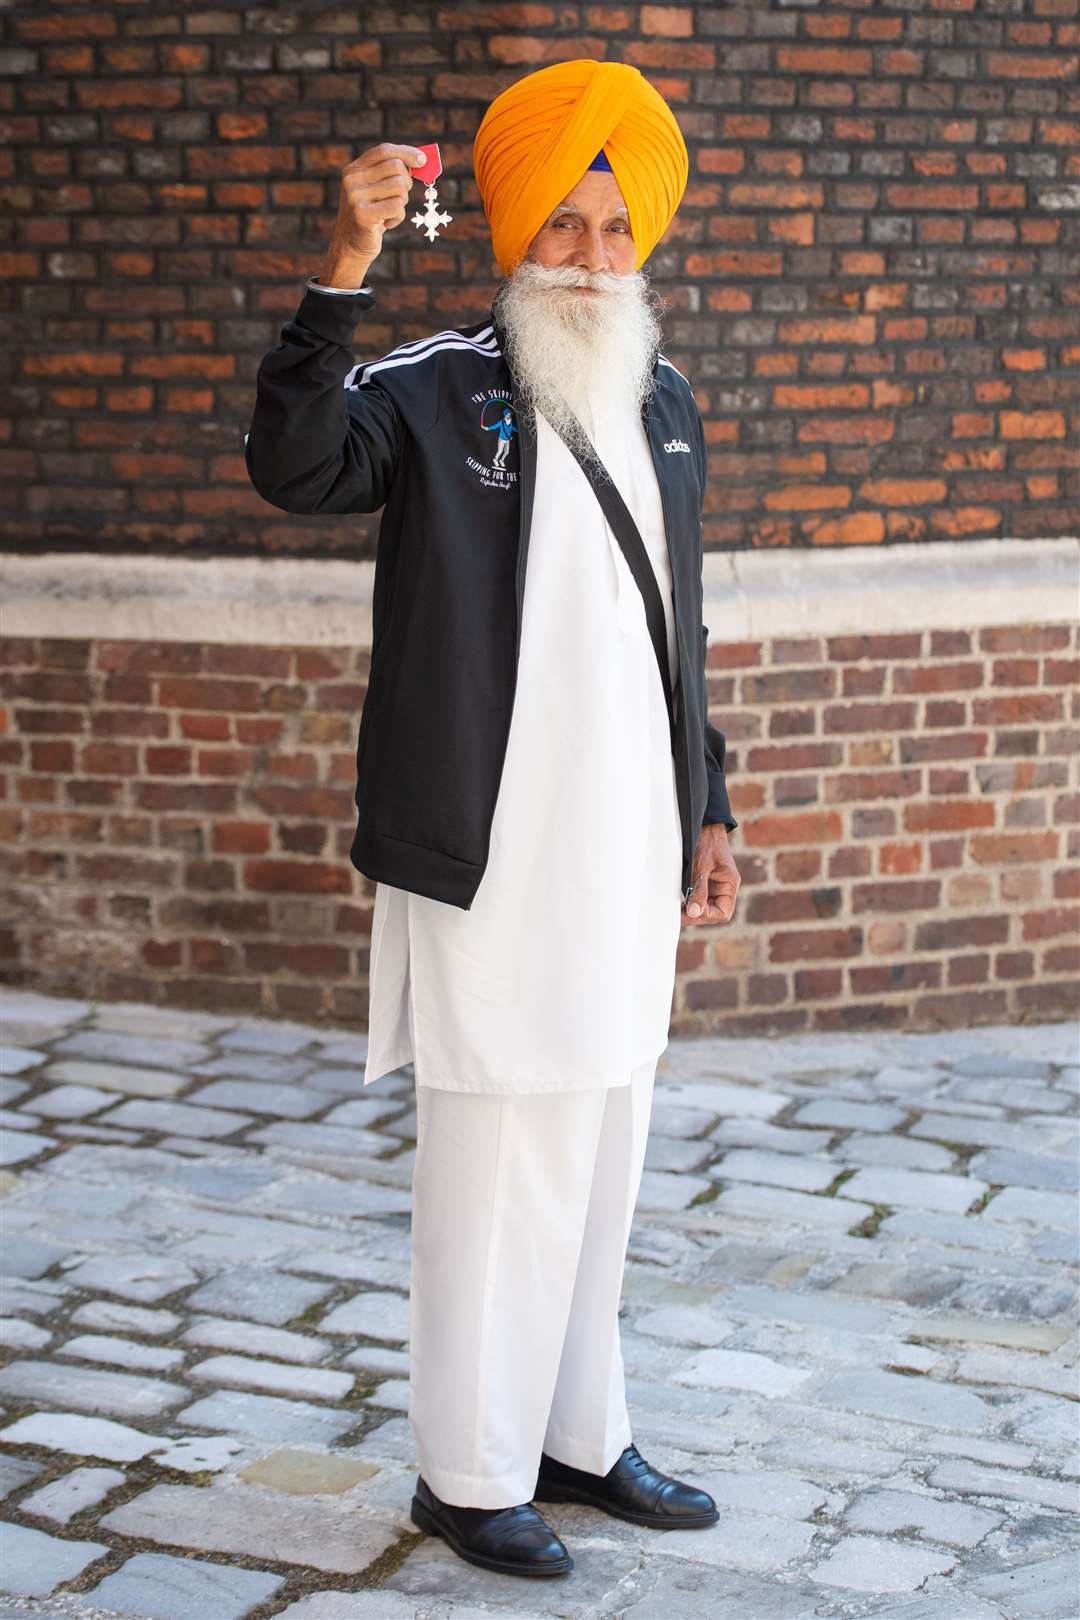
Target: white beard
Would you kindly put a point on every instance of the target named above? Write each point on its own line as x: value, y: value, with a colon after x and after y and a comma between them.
x: 564, y: 345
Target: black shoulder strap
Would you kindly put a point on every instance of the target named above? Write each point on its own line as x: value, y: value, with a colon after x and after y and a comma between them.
x: 628, y: 535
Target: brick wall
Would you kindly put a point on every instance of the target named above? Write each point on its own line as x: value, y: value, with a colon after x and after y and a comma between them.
x: 179, y: 815
x: 868, y: 282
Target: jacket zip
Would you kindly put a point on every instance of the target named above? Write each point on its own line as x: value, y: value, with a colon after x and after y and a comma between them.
x: 526, y: 470
x: 684, y: 796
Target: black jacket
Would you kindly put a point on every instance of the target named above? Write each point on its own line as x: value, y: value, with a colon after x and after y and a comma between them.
x: 407, y: 432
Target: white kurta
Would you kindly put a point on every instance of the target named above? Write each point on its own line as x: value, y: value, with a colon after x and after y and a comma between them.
x: 560, y: 974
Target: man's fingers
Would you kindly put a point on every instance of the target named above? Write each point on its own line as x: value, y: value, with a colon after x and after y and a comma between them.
x: 699, y: 897
x: 722, y: 893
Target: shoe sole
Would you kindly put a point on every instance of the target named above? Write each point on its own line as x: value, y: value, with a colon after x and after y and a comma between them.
x: 430, y: 1525
x: 653, y: 1521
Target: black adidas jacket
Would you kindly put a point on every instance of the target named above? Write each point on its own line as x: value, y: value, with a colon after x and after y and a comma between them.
x: 407, y: 433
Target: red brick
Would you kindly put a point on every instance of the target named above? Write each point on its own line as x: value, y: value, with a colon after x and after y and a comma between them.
x: 1047, y: 1000
x: 1008, y: 848
x: 826, y: 60
x: 862, y: 717
x: 787, y: 685
x: 939, y: 677
x: 814, y: 984
x: 1050, y: 924
x: 1067, y: 884
x: 805, y: 827
x: 1062, y: 959
x: 849, y: 862
x: 811, y: 945
x: 961, y: 1007
x: 797, y: 865
x: 1024, y: 638
x: 919, y: 895
x: 964, y: 970
x: 792, y: 723
x: 296, y: 877
x: 674, y: 21
x: 949, y: 643
x: 1015, y: 671
x: 733, y: 655
x: 903, y: 645
x: 792, y: 905
x: 1014, y: 965
x: 886, y: 978
x: 859, y: 787
x: 766, y: 989
x: 951, y: 815
x: 951, y: 746
x: 242, y: 838
x: 798, y: 756
x: 900, y: 860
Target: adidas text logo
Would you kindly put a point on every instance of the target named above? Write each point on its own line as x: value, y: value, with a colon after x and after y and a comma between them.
x: 677, y: 444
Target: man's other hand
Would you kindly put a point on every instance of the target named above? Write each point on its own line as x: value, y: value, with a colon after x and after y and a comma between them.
x: 716, y: 878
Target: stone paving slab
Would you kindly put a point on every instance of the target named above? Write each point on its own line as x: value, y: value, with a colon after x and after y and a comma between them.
x: 850, y: 1312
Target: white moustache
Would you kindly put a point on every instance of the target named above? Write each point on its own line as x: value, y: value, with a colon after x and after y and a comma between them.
x: 568, y: 350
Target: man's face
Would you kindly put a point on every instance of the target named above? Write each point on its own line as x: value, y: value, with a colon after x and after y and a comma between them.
x: 589, y: 230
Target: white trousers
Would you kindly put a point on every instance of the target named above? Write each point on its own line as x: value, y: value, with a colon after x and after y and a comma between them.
x: 521, y: 1218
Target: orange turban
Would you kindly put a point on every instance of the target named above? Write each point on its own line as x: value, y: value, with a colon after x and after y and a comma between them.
x: 539, y: 136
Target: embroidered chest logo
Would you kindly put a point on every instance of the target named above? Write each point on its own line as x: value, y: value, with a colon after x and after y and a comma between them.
x: 496, y: 416
x: 677, y: 444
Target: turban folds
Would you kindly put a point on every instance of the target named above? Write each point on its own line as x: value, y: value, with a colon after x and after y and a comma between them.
x: 542, y: 133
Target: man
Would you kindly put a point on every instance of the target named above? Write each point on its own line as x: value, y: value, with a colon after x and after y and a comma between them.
x: 506, y: 429
x: 531, y: 823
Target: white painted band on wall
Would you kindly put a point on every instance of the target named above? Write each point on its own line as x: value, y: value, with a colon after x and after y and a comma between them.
x: 749, y: 595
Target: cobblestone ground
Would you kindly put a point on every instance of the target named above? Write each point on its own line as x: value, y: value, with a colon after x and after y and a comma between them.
x: 849, y: 1312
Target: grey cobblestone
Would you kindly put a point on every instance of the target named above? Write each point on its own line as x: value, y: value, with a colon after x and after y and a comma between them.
x: 135, y: 1081
x: 886, y: 1511
x: 259, y: 1097
x: 273, y: 1377
x: 374, y: 1315
x: 15, y: 1334
x: 849, y: 1312
x: 61, y: 1499
x: 872, y: 1564
x: 110, y: 1317
x: 164, y: 1588
x: 253, y: 1339
x: 266, y: 1296
x: 267, y: 1417
x: 87, y: 1389
x: 310, y: 1531
x: 15, y: 1472
x: 143, y: 1278
x: 856, y: 1115
x: 917, y: 1188
x: 80, y: 1436
x: 152, y: 1115
x: 803, y: 1173
x: 34, y: 1563
x: 121, y: 1352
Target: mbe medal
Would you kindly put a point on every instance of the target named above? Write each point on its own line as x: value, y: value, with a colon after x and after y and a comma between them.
x: 431, y: 218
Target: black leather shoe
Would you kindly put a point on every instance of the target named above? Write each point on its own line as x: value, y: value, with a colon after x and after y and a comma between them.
x: 629, y: 1490
x: 511, y: 1540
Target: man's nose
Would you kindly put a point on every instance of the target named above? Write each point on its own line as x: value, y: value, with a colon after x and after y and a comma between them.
x: 592, y: 255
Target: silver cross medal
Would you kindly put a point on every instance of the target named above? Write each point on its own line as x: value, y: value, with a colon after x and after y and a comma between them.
x: 431, y: 218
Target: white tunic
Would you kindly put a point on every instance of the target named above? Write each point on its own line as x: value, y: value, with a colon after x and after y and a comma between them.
x: 560, y: 974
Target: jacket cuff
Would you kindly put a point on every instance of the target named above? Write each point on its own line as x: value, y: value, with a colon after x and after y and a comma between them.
x: 718, y: 805
x: 333, y: 319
